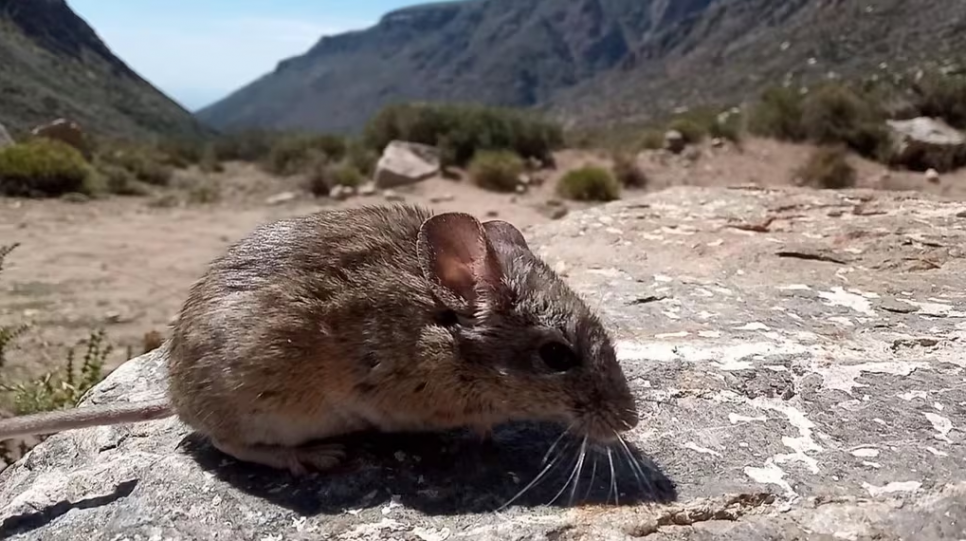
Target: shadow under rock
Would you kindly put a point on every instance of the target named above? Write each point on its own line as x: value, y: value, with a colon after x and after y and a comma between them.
x: 25, y: 522
x: 451, y: 473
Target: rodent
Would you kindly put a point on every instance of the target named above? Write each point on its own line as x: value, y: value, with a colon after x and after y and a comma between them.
x: 387, y: 318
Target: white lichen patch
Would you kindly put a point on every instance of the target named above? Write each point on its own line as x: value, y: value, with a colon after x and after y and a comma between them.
x: 865, y: 453
x: 698, y: 449
x: 771, y: 474
x: 838, y: 376
x: 838, y: 296
x: 734, y: 418
x: 801, y: 445
x: 892, y: 488
x: 727, y: 357
x: 942, y: 425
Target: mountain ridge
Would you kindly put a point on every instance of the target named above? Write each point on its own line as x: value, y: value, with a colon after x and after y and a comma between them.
x: 587, y: 61
x: 55, y: 65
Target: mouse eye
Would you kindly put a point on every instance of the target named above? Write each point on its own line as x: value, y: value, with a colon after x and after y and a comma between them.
x: 558, y: 357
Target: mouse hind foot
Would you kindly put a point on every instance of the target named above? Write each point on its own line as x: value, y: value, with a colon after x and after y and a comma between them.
x: 297, y: 460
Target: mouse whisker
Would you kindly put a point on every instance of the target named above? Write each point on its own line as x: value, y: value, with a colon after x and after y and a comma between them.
x: 580, y: 467
x: 534, y: 482
x: 562, y: 434
x: 642, y: 477
x: 593, y: 477
x: 613, y: 478
x: 580, y: 457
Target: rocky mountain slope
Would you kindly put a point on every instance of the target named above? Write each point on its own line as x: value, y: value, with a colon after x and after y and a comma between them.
x: 52, y: 64
x: 588, y: 60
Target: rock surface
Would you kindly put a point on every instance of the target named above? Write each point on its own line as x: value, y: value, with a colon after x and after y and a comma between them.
x: 403, y: 163
x: 798, y: 356
x: 64, y: 131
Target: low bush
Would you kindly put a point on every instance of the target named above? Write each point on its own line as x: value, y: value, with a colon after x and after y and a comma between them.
x: 496, y: 170
x: 942, y: 96
x: 835, y: 114
x: 460, y: 131
x: 146, y: 164
x: 209, y: 161
x: 119, y: 181
x: 251, y: 146
x: 628, y: 173
x: 827, y: 167
x: 589, y: 184
x: 692, y: 131
x: 778, y: 115
x: 43, y: 167
x: 346, y: 174
x: 293, y: 153
x: 652, y: 140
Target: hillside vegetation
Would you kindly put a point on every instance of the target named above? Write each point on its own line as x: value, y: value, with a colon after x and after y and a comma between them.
x: 52, y: 64
x: 591, y: 61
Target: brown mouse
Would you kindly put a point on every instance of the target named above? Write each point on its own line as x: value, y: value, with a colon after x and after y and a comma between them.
x: 386, y: 318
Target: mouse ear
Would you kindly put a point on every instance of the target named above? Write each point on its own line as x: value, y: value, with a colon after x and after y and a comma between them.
x: 455, y: 253
x: 500, y: 232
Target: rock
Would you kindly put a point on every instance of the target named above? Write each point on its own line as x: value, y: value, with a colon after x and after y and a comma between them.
x: 777, y: 400
x: 340, y: 193
x: 691, y: 154
x: 5, y: 138
x: 926, y: 142
x: 932, y: 176
x: 445, y: 198
x: 717, y: 142
x: 390, y: 195
x: 368, y: 190
x: 281, y: 198
x: 64, y: 131
x: 558, y: 213
x: 674, y: 141
x: 521, y: 189
x: 405, y: 163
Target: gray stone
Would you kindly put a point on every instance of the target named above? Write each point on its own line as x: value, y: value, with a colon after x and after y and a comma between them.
x: 674, y: 141
x: 5, y: 137
x: 403, y: 163
x: 780, y: 400
x: 926, y: 141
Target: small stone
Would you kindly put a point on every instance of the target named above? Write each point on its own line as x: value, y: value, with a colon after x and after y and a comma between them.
x: 558, y: 213
x: 717, y: 142
x: 525, y: 180
x: 445, y: 198
x: 932, y: 176
x: 521, y: 189
x: 368, y: 190
x: 112, y: 317
x: 554, y: 203
x: 492, y: 214
x: 961, y: 214
x: 339, y: 193
x: 895, y: 305
x: 281, y: 198
x: 391, y: 195
x: 560, y: 268
x: 674, y: 141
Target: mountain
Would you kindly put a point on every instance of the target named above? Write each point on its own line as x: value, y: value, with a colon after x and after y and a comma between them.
x: 588, y: 61
x: 52, y: 64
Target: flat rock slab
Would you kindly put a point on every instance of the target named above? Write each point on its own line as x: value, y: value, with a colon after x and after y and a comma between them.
x: 798, y: 356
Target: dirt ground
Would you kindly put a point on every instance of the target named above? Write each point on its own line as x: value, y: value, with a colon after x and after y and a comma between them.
x: 125, y: 264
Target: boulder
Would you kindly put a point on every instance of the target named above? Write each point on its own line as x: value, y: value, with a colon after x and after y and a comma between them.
x: 924, y: 143
x: 803, y: 381
x: 5, y: 138
x: 403, y: 163
x: 64, y: 131
x: 674, y: 141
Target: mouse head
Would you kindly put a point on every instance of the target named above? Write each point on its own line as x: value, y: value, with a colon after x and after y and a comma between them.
x: 527, y: 344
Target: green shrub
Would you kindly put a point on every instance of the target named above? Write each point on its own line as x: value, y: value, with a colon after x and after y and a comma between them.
x: 251, y: 146
x: 943, y: 96
x: 180, y: 153
x: 778, y: 115
x: 146, y: 164
x: 589, y: 184
x: 652, y: 140
x: 346, y: 174
x: 204, y: 192
x: 628, y: 173
x: 43, y: 168
x: 362, y: 158
x: 119, y: 181
x: 459, y: 131
x: 496, y: 170
x: 827, y: 167
x: 834, y: 114
x: 8, y: 334
x: 209, y: 162
x: 727, y: 126
x: 692, y: 131
x: 292, y: 154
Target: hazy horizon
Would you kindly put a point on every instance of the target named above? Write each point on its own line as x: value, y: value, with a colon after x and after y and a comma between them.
x: 198, y: 53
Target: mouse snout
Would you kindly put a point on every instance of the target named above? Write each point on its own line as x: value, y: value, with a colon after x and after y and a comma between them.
x: 605, y: 419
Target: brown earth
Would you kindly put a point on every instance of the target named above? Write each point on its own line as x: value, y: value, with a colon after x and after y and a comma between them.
x: 125, y: 264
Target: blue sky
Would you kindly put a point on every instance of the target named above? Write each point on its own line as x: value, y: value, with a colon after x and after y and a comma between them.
x: 199, y: 51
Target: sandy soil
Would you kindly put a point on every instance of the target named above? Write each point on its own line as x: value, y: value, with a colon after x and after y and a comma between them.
x: 125, y: 264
